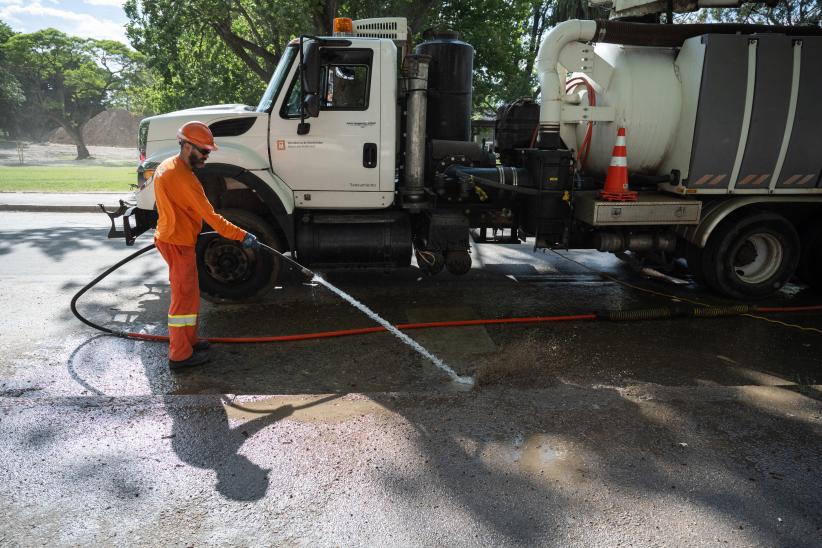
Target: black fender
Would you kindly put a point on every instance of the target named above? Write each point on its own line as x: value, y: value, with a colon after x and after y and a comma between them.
x: 285, y: 220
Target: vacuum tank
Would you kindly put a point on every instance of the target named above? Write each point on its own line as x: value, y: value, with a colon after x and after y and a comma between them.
x: 449, y: 85
x: 647, y: 97
x: 720, y: 112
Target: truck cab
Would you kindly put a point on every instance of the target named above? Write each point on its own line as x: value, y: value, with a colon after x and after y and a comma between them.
x: 273, y: 162
x: 346, y: 159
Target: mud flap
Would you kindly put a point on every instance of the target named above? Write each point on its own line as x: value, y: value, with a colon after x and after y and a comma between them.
x: 142, y: 221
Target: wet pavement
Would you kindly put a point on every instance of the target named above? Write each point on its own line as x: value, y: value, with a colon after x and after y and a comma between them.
x: 678, y: 432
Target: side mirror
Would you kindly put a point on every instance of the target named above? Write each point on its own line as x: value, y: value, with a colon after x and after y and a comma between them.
x: 311, y: 105
x: 311, y: 68
x: 309, y: 83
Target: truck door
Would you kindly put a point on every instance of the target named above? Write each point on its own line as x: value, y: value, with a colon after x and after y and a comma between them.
x: 337, y: 164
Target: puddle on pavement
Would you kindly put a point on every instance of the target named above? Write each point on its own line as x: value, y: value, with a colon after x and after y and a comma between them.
x: 537, y: 454
x: 327, y: 409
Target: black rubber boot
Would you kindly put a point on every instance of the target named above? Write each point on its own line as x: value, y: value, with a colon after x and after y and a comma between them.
x: 198, y: 358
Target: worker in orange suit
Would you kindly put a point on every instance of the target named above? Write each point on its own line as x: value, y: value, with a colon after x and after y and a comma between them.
x: 182, y: 207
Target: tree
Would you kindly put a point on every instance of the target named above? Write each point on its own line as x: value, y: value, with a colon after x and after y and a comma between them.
x: 11, y: 93
x: 226, y: 51
x: 778, y: 12
x: 68, y: 80
x: 214, y: 50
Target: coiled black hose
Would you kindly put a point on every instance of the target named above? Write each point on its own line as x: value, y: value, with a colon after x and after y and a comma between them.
x: 94, y: 282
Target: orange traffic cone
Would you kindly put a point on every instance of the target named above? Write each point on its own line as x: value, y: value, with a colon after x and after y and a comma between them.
x: 616, y: 182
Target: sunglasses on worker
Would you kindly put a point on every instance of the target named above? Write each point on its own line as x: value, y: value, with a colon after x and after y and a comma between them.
x: 202, y: 151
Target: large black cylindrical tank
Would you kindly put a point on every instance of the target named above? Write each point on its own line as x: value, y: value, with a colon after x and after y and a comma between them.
x: 449, y: 85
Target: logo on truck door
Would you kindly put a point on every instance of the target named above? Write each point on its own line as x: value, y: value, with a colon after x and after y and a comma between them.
x: 282, y: 144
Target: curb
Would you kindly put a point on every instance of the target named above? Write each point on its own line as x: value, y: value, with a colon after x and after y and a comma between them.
x: 52, y: 208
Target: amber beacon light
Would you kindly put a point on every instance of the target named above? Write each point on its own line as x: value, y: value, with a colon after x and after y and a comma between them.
x: 343, y: 26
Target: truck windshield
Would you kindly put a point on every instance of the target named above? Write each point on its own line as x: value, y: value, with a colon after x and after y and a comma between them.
x: 276, y: 83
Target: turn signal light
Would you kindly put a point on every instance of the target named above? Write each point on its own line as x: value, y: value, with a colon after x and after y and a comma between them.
x: 343, y: 26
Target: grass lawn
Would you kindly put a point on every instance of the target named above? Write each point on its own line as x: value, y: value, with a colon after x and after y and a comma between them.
x: 66, y: 178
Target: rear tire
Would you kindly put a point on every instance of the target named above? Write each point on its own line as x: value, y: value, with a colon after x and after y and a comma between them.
x: 751, y: 257
x: 693, y: 255
x: 230, y: 273
x: 810, y: 263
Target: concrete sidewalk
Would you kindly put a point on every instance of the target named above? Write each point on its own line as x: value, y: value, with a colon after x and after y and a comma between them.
x: 69, y: 202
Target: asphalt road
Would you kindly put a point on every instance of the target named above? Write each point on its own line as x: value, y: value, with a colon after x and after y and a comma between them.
x: 677, y: 433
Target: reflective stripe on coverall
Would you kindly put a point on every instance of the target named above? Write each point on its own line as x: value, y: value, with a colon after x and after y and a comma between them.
x: 185, y: 299
x: 182, y: 207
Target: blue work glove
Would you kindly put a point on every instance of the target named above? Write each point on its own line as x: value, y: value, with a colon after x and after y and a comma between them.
x: 250, y: 241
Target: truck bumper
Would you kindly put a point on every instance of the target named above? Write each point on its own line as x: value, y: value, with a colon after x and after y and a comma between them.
x: 135, y: 221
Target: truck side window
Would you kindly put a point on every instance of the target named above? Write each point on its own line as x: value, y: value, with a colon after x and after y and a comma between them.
x: 291, y: 106
x: 346, y: 87
x: 345, y: 82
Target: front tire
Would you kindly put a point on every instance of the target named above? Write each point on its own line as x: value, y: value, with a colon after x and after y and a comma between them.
x: 230, y: 273
x: 751, y: 257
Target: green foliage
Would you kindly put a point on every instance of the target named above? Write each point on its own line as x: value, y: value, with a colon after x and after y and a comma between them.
x: 67, y: 80
x: 501, y: 67
x: 780, y: 12
x: 211, y: 51
x: 215, y: 51
x: 11, y: 92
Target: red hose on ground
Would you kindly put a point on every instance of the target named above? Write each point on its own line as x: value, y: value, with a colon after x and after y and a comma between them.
x: 430, y: 325
x: 375, y: 329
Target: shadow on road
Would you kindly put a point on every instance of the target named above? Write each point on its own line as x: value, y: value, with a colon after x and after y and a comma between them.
x: 206, y: 439
x: 519, y: 465
x: 52, y: 241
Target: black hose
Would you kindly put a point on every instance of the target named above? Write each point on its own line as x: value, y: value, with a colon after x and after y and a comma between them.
x: 94, y: 282
x: 482, y: 181
x: 465, y: 173
x: 669, y: 312
x: 303, y: 270
x: 648, y: 34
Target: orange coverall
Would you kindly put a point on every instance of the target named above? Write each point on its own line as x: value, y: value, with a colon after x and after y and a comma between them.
x: 182, y: 207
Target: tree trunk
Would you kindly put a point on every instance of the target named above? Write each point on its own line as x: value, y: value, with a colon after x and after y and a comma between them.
x: 76, y: 135
x: 82, y: 151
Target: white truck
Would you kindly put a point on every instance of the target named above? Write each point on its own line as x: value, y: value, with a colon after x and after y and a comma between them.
x: 352, y: 159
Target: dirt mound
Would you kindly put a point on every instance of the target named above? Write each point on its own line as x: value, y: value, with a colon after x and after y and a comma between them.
x: 110, y: 128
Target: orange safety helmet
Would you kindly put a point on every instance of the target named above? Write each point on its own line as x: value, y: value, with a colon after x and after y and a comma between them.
x: 198, y: 134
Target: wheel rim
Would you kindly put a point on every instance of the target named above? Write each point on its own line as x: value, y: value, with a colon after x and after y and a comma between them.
x: 227, y: 261
x: 758, y: 258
